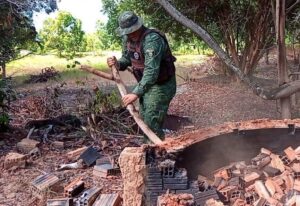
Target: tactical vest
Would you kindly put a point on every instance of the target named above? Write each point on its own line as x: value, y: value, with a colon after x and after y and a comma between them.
x: 135, y: 50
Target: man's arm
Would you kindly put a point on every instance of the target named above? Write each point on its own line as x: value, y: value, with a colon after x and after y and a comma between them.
x: 153, y: 48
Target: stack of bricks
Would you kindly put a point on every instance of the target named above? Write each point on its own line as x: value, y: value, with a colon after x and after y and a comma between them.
x: 269, y: 179
x: 165, y: 177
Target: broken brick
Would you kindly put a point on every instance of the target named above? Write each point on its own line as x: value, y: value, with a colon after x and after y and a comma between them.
x: 14, y: 160
x: 297, y: 185
x: 74, y: 155
x: 89, y: 196
x: 261, y: 190
x: 295, y: 167
x: 202, y: 197
x: 43, y: 183
x: 74, y: 188
x: 105, y: 170
x: 60, y: 202
x: 277, y: 163
x: 251, y: 178
x: 290, y: 153
x: 270, y: 185
x: 108, y: 200
x: 238, y: 182
x: 226, y: 193
x: 271, y: 171
x: 261, y: 160
x: 26, y: 145
x: 285, y: 160
x: 251, y: 197
x: 225, y: 173
x: 237, y: 194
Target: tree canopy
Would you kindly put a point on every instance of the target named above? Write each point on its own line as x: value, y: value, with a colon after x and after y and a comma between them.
x: 245, y: 28
x: 63, y: 34
x: 16, y: 24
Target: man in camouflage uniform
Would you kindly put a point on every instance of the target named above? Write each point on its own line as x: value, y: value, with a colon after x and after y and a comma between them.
x: 147, y: 52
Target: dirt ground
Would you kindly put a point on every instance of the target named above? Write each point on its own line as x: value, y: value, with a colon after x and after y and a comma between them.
x: 209, y: 100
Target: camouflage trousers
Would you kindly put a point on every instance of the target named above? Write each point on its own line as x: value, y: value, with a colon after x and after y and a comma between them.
x: 154, y: 106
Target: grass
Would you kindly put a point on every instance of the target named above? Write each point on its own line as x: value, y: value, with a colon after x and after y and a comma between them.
x: 33, y: 64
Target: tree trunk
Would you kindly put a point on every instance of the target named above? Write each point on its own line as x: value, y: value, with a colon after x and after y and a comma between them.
x: 3, y: 68
x: 283, y: 91
x: 285, y: 103
x: 267, y: 57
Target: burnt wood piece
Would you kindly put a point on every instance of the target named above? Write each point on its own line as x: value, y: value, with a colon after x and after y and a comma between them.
x: 63, y: 120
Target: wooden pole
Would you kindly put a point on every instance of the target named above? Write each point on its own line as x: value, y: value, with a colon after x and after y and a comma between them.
x: 122, y: 89
x: 97, y: 72
x: 285, y: 103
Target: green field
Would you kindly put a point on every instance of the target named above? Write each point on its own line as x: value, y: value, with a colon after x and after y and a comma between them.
x: 33, y: 64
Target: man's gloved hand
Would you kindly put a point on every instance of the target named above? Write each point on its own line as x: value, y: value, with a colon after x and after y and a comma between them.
x: 129, y: 98
x: 111, y: 61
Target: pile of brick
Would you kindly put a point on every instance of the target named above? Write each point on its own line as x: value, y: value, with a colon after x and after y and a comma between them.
x: 269, y: 179
x: 166, y: 177
x: 75, y: 192
x: 176, y: 200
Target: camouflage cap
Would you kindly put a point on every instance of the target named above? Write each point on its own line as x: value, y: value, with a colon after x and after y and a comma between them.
x: 129, y: 22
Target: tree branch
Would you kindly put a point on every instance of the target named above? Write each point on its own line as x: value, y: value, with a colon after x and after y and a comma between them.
x: 284, y: 90
x: 115, y: 76
x: 292, y: 6
x: 97, y: 72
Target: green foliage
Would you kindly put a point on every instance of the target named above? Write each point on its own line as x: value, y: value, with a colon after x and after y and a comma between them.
x: 7, y: 94
x: 105, y: 102
x: 73, y: 64
x: 16, y: 25
x: 244, y: 28
x: 63, y: 34
x: 293, y: 26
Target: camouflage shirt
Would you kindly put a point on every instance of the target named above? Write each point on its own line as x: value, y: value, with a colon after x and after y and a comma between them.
x: 154, y: 48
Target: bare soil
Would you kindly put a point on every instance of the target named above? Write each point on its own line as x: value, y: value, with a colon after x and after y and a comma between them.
x: 209, y: 100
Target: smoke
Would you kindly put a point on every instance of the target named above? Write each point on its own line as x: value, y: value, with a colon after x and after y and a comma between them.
x: 209, y: 155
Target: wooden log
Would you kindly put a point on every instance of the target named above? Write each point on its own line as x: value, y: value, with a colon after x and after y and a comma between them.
x: 97, y: 72
x: 150, y: 134
x: 122, y: 89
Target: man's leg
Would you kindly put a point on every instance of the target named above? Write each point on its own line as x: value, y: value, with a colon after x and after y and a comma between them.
x: 155, y: 107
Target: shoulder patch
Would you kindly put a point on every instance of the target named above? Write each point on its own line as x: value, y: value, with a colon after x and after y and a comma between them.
x: 150, y: 52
